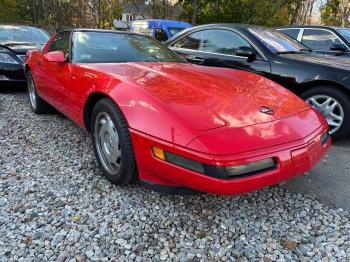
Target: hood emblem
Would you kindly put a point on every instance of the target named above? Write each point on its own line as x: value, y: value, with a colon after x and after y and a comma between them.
x: 267, y: 110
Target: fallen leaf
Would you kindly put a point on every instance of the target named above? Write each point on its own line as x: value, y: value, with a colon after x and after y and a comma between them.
x: 29, y: 241
x: 289, y: 244
x: 76, y: 218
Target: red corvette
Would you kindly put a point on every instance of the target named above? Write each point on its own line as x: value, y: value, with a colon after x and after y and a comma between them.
x: 171, y: 124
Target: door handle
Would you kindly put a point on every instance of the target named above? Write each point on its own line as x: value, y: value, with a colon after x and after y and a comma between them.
x: 197, y: 59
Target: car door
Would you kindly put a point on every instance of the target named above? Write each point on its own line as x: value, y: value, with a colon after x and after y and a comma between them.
x: 56, y: 75
x: 219, y: 47
x: 188, y: 46
x: 321, y: 40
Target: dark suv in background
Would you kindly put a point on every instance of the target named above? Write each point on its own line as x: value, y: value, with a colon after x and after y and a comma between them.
x: 321, y: 39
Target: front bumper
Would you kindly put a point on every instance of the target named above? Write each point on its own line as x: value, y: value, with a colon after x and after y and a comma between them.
x: 293, y: 159
x: 11, y: 74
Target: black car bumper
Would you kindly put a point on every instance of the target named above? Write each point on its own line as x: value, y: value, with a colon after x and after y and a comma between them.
x: 11, y: 74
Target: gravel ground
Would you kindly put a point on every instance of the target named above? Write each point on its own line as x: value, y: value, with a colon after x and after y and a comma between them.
x: 56, y: 206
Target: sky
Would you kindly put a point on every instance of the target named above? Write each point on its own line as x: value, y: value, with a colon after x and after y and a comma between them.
x: 316, y: 9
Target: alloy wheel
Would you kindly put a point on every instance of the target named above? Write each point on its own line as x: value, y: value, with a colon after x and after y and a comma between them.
x: 330, y: 108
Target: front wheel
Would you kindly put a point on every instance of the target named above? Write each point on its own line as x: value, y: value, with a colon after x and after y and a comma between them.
x: 112, y: 143
x: 334, y: 105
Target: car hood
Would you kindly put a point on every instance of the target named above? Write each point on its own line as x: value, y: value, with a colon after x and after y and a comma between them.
x: 298, y: 128
x: 20, y: 47
x: 206, y: 98
x: 340, y: 62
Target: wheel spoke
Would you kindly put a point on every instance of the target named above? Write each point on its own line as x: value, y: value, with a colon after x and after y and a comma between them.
x: 111, y: 157
x: 312, y: 101
x: 333, y: 123
x: 335, y: 117
x: 330, y: 108
x: 326, y: 104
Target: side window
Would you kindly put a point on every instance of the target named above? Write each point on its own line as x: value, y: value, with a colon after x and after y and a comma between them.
x: 160, y: 35
x: 319, y: 39
x: 61, y: 43
x: 191, y: 41
x: 222, y: 42
x: 293, y: 33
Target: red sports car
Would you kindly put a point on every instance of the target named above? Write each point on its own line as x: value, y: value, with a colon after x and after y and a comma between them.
x: 171, y: 124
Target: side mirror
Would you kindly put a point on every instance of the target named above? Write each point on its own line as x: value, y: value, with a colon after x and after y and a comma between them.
x: 338, y: 48
x: 247, y: 52
x: 55, y: 56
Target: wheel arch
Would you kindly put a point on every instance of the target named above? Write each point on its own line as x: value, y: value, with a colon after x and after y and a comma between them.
x: 308, y: 85
x: 89, y: 105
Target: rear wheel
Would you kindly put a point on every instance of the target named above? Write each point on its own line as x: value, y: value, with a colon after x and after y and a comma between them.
x: 334, y: 105
x: 38, y: 105
x: 112, y: 143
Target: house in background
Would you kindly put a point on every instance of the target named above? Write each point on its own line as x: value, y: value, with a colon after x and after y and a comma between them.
x: 140, y: 11
x: 131, y: 13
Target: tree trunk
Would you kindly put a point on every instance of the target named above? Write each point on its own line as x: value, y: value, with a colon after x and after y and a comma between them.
x: 344, y: 12
x: 294, y: 18
x: 194, y: 11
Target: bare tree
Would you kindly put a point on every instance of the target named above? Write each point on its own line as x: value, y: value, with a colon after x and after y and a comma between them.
x: 301, y: 11
x: 305, y: 12
x: 194, y: 11
x: 344, y: 12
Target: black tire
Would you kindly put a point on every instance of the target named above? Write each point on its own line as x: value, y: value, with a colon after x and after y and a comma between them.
x: 127, y: 172
x: 38, y: 105
x: 342, y: 98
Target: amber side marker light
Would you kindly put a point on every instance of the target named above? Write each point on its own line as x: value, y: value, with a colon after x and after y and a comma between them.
x: 158, y: 152
x: 178, y: 160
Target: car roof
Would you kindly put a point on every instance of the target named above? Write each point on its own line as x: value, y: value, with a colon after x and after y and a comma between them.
x: 15, y: 25
x: 97, y: 30
x: 231, y: 25
x: 227, y: 25
x: 310, y: 26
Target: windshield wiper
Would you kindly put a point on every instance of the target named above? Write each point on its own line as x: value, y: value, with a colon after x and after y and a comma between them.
x: 17, y: 43
x: 294, y: 52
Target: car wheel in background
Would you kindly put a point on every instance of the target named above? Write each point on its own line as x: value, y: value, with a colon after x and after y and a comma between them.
x: 334, y: 105
x: 38, y: 105
x: 112, y: 143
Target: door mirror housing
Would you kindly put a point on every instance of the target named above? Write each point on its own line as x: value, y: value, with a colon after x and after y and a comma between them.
x: 247, y: 52
x: 55, y: 56
x: 339, y: 48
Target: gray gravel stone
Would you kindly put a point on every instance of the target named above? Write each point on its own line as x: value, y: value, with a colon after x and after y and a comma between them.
x: 56, y: 206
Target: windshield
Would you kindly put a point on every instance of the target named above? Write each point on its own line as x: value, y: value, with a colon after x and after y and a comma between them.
x: 23, y: 34
x: 345, y: 33
x: 108, y: 47
x: 277, y: 42
x: 174, y: 30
